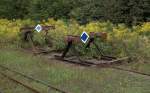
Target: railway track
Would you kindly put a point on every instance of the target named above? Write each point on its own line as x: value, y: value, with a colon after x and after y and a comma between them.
x: 29, y: 78
x: 132, y: 71
x: 52, y: 87
x: 20, y: 83
x: 106, y: 65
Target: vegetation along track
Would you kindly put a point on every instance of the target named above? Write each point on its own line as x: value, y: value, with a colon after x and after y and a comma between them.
x: 30, y: 78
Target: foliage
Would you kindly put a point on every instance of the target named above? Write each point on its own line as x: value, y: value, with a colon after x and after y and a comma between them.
x: 121, y: 41
x: 17, y: 9
x: 131, y: 12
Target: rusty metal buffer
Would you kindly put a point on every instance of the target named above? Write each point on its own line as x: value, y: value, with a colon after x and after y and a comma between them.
x: 75, y: 40
x: 27, y: 35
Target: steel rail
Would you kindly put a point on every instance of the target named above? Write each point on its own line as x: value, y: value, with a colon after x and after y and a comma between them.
x: 105, y: 65
x: 36, y: 80
x: 133, y: 71
x: 25, y: 85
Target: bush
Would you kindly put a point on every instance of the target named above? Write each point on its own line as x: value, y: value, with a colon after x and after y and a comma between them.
x: 122, y: 41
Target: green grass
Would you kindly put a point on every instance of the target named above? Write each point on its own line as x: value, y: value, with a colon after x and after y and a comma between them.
x: 74, y: 78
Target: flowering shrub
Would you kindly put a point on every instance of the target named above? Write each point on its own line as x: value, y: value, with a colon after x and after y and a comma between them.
x: 145, y: 27
x: 121, y: 41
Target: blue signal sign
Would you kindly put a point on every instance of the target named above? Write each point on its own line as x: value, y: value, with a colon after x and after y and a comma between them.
x: 84, y: 37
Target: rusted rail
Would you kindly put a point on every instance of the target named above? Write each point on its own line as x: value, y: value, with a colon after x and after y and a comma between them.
x: 133, y: 71
x: 33, y: 79
x: 111, y: 64
x: 18, y: 82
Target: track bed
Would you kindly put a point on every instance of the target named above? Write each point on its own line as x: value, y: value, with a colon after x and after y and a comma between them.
x: 89, y: 62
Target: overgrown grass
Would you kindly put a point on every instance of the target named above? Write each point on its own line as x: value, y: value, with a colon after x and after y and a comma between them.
x: 72, y: 78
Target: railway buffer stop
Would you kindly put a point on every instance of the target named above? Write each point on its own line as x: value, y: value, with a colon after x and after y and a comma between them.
x: 27, y: 35
x: 73, y: 40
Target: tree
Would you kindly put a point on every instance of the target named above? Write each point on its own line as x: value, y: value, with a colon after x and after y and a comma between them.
x: 87, y: 10
x: 13, y: 10
x: 146, y: 8
x: 58, y: 9
x: 130, y: 12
